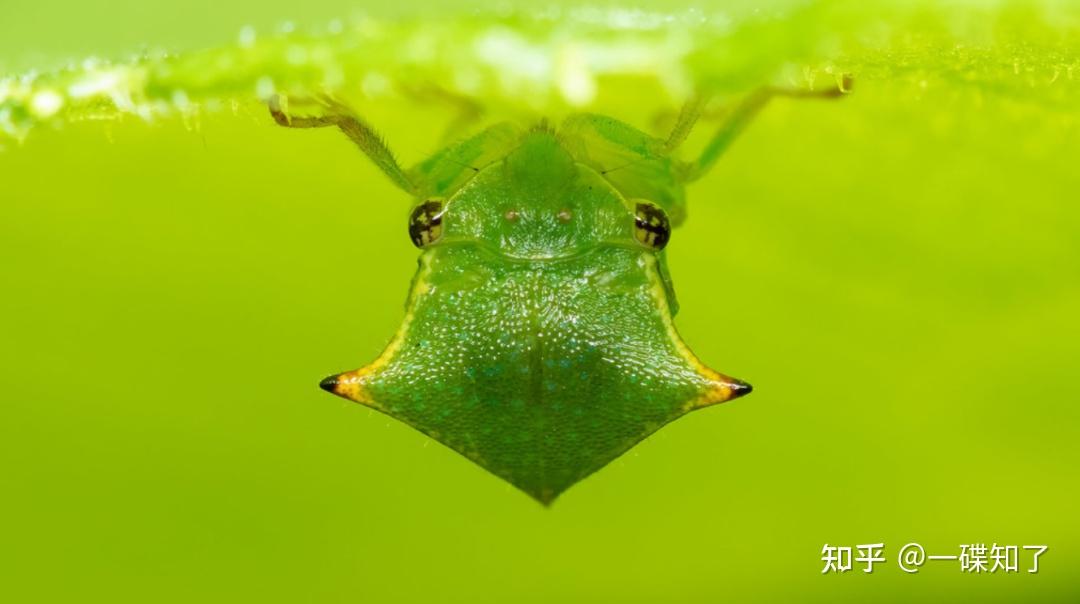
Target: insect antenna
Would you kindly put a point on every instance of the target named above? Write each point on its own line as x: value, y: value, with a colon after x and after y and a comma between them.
x: 626, y: 165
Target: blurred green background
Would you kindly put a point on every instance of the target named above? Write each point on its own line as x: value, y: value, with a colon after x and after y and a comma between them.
x: 897, y: 276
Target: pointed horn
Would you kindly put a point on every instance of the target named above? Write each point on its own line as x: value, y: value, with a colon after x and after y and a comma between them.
x: 720, y: 390
x: 348, y: 385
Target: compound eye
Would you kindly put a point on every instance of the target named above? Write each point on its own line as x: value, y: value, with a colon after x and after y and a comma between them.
x: 651, y: 226
x: 425, y: 223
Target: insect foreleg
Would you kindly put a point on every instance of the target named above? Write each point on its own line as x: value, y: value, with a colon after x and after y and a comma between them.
x: 737, y: 121
x: 467, y: 111
x: 357, y: 130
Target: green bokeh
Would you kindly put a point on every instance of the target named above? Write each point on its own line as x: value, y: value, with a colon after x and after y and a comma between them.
x: 898, y: 278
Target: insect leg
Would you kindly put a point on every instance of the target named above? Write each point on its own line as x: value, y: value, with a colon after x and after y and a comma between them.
x: 737, y: 121
x: 467, y: 111
x: 357, y: 130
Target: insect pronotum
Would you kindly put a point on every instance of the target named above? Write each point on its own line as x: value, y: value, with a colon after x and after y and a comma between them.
x: 538, y: 339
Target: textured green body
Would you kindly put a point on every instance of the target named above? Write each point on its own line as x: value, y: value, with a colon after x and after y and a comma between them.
x: 539, y: 371
x: 538, y: 339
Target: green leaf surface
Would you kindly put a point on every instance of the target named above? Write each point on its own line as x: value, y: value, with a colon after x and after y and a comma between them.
x: 556, y: 59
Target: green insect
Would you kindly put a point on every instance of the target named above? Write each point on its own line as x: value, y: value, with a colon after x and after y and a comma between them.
x: 538, y: 339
